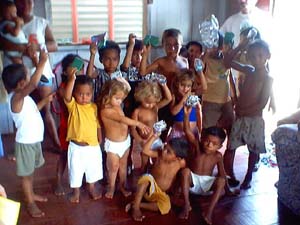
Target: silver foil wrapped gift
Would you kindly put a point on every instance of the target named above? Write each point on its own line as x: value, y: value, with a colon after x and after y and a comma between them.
x: 208, y: 29
x: 252, y: 34
x: 192, y: 100
x: 133, y: 74
x: 156, y: 77
x: 159, y: 126
x: 198, y: 65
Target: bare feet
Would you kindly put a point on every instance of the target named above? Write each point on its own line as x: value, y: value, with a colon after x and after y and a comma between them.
x: 39, y: 198
x: 74, y: 198
x: 125, y: 192
x: 135, y: 213
x: 11, y: 158
x: 59, y: 191
x: 110, y: 193
x: 95, y: 195
x: 184, y: 214
x: 207, y: 218
x: 233, y: 182
x: 34, y: 210
x: 128, y: 207
x: 245, y: 185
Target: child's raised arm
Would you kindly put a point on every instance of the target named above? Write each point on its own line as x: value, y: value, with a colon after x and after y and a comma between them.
x: 199, y: 117
x: 147, y: 147
x: 129, y: 51
x: 70, y: 84
x: 144, y: 68
x: 45, y: 100
x: 90, y: 68
x: 36, y: 77
x: 167, y: 96
x: 187, y: 129
x: 175, y: 108
x: 229, y: 61
x: 200, y: 77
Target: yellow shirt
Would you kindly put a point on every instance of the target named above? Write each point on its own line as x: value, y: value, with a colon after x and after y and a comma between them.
x: 82, y: 122
x: 217, y: 81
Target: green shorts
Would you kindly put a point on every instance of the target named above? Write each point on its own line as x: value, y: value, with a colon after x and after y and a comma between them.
x: 28, y: 157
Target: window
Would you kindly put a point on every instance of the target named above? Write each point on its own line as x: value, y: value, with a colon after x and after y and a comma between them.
x: 76, y: 20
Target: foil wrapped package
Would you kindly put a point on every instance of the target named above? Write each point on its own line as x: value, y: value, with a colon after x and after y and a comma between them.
x: 209, y: 36
x: 156, y: 77
x: 133, y: 74
x: 198, y: 65
x: 192, y: 101
x: 159, y: 126
x: 252, y: 34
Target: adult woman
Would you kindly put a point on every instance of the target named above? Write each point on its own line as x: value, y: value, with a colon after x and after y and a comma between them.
x: 39, y: 36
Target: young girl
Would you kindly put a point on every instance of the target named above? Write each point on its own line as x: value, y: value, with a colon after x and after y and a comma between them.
x: 149, y: 95
x: 117, y: 138
x: 182, y: 88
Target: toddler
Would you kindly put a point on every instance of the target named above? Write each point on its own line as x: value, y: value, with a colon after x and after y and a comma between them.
x: 83, y: 134
x: 63, y: 123
x: 150, y: 97
x: 117, y: 138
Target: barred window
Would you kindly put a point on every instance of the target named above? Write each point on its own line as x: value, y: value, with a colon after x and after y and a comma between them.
x: 76, y: 20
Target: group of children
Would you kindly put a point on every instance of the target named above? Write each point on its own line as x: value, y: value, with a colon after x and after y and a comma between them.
x: 92, y: 112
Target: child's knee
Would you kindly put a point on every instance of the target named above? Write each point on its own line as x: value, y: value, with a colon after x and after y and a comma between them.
x: 113, y: 166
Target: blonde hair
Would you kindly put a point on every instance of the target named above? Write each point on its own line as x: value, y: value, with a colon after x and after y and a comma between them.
x: 185, y: 75
x: 147, y: 89
x: 109, y: 89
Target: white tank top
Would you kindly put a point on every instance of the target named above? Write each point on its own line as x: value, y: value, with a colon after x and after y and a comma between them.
x: 29, y: 122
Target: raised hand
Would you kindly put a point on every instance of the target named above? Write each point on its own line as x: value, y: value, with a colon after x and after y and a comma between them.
x: 131, y: 39
x: 93, y: 48
x: 71, y: 73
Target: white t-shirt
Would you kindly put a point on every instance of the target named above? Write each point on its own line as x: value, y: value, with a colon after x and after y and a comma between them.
x: 257, y: 18
x: 29, y: 122
x: 37, y: 26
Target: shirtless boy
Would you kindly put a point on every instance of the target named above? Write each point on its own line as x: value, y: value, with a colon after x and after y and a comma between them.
x: 153, y: 187
x: 248, y: 128
x: 197, y: 177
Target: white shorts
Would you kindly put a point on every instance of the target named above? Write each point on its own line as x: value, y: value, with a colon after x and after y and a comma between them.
x: 118, y: 148
x: 84, y: 160
x: 202, y: 184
